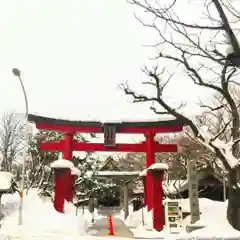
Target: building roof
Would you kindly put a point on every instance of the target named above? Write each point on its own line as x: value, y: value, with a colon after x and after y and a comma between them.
x: 109, y: 165
x: 165, y: 122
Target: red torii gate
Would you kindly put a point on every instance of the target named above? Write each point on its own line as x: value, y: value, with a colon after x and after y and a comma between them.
x: 64, y: 181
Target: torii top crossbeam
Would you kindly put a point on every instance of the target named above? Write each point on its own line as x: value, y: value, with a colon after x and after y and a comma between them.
x: 165, y: 126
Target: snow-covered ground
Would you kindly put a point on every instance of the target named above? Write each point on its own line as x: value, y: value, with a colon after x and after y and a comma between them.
x: 40, y: 218
x: 213, y: 218
x: 41, y: 221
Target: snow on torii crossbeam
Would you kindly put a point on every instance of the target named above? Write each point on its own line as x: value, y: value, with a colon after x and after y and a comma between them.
x: 109, y: 129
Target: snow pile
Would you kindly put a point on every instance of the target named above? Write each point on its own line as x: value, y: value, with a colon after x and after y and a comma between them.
x: 40, y: 218
x: 5, y: 181
x: 213, y: 219
x: 10, y: 203
x: 204, y: 204
x: 136, y: 219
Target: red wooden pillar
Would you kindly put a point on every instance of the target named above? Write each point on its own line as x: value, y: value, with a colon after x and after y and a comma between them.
x: 158, y: 216
x: 59, y: 188
x: 150, y: 159
x: 69, y: 178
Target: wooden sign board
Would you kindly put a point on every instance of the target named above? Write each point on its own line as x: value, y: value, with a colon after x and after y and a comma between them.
x: 109, y: 135
x: 193, y: 191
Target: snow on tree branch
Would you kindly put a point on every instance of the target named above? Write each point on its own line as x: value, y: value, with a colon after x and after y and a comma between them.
x: 225, y: 148
x: 227, y: 151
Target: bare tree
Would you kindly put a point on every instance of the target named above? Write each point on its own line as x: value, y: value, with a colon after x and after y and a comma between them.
x: 207, y: 51
x: 189, y: 149
x: 38, y: 168
x: 11, y: 137
x: 218, y: 116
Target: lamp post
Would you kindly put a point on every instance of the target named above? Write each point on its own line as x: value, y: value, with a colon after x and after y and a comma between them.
x: 16, y: 72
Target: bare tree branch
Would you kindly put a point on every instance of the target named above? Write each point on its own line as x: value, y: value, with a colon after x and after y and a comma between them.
x: 159, y: 13
x: 196, y: 57
x: 11, y: 137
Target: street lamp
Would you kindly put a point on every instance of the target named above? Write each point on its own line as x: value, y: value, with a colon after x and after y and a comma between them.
x: 16, y: 72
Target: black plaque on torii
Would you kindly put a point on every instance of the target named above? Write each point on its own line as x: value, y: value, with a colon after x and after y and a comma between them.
x: 109, y: 130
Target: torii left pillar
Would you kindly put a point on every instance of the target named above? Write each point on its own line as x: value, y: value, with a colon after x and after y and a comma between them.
x: 68, y: 177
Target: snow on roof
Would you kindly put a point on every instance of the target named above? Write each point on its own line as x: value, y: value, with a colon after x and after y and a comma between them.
x: 107, y: 120
x: 138, y: 120
x: 158, y: 166
x: 63, y: 163
x: 5, y: 180
x: 108, y: 160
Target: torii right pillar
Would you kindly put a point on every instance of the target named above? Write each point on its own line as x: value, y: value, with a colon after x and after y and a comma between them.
x: 157, y: 173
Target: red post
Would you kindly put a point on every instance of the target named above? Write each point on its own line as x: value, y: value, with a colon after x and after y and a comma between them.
x: 157, y: 194
x: 59, y: 188
x: 110, y: 226
x: 150, y: 159
x: 67, y: 155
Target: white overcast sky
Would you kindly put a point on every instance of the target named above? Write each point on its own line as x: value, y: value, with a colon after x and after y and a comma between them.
x: 73, y: 54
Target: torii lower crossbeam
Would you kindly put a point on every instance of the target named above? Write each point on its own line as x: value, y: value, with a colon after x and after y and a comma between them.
x: 94, y: 147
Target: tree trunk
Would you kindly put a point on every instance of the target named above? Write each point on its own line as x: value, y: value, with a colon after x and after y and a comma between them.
x: 233, y: 210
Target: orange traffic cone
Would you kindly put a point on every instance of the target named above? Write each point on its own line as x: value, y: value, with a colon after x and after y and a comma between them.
x: 110, y: 224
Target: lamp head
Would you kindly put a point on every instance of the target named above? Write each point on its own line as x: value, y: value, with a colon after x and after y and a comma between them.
x: 16, y: 72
